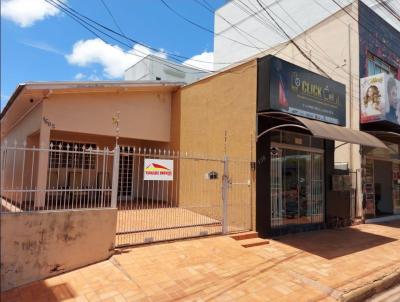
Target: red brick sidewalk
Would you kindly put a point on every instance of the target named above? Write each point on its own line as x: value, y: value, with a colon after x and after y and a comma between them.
x: 314, y: 266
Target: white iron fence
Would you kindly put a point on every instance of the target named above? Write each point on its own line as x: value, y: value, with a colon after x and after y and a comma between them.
x: 63, y: 176
x: 165, y: 195
x: 160, y: 195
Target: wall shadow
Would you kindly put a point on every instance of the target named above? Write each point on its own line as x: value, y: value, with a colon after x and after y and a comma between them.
x: 39, y: 291
x: 331, y: 244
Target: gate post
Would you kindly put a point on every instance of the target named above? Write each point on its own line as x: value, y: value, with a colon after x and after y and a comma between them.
x: 225, y: 188
x: 115, y: 174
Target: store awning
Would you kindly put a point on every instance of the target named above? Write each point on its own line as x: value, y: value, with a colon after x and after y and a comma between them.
x: 389, y: 136
x: 328, y: 131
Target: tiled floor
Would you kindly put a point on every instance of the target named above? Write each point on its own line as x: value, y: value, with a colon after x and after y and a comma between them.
x: 312, y: 266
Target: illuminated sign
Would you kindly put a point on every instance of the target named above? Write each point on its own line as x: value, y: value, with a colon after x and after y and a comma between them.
x: 285, y: 87
x: 158, y: 169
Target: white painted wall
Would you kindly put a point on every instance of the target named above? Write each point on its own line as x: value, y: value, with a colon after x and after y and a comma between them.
x: 152, y: 68
x: 253, y: 27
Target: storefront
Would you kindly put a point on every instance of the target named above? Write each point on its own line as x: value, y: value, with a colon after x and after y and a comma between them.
x: 300, y: 115
x: 381, y: 167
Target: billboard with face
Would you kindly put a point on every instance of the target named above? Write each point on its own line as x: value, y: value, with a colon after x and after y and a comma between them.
x: 379, y: 99
x: 286, y: 87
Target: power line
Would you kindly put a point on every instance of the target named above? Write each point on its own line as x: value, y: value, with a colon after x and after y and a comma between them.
x: 91, y: 28
x: 262, y: 21
x: 293, y: 42
x: 238, y: 29
x: 59, y: 4
x: 303, y: 31
x: 88, y: 27
x: 388, y: 8
x: 363, y: 26
x: 201, y: 26
x: 112, y: 17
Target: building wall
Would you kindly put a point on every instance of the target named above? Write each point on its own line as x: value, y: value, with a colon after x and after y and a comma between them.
x: 16, y: 161
x: 333, y: 45
x: 373, y: 31
x: 143, y: 115
x: 258, y: 33
x: 153, y: 68
x: 218, y: 116
x: 26, y: 127
x: 255, y: 31
x: 37, y: 245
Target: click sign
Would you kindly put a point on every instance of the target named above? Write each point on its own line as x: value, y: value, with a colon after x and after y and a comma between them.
x: 158, y: 169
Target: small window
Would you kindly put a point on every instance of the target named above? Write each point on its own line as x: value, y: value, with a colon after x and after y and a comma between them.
x: 158, y: 79
x: 376, y: 66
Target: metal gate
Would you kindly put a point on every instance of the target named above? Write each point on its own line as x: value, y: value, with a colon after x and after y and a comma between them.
x: 173, y: 195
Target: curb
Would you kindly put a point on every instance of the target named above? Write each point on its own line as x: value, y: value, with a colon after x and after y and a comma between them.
x: 377, y: 286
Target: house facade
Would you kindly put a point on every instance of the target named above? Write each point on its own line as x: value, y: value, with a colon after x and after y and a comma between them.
x: 85, y: 116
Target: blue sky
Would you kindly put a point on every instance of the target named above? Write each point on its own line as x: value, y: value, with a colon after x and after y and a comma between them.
x: 39, y: 43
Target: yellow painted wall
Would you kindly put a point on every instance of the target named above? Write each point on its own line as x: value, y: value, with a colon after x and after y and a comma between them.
x: 224, y: 103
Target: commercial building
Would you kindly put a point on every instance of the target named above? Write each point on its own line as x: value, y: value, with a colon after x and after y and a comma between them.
x: 345, y: 44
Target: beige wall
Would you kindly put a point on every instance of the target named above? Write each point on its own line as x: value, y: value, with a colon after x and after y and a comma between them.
x: 25, y: 131
x: 37, y: 245
x: 26, y: 126
x: 143, y: 115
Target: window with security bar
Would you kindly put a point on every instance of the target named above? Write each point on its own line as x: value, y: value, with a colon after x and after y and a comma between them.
x: 71, y: 155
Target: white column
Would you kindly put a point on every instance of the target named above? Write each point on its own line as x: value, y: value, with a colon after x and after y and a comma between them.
x: 43, y: 163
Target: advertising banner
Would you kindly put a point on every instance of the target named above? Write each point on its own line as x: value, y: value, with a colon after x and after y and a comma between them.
x: 298, y: 91
x: 379, y: 99
x: 158, y: 169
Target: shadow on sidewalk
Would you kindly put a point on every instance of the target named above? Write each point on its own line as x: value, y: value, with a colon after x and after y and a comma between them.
x: 331, y: 244
x: 39, y: 291
x: 391, y: 224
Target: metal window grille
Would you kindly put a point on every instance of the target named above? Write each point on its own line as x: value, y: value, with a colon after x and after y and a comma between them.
x: 60, y: 159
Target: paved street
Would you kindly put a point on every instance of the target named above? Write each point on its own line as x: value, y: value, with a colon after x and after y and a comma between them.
x: 314, y: 266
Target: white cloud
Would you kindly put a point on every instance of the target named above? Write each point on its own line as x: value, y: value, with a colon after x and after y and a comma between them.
x: 203, y: 61
x: 79, y: 76
x: 26, y: 12
x: 112, y: 58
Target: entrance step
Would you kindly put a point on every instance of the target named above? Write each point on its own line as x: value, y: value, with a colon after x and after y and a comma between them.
x: 383, y: 219
x: 246, y: 243
x: 244, y: 235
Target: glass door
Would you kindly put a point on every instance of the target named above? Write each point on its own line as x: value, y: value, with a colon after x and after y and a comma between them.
x: 296, y: 187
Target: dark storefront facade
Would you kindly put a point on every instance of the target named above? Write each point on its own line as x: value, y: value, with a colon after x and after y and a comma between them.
x: 300, y: 114
x: 380, y: 113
